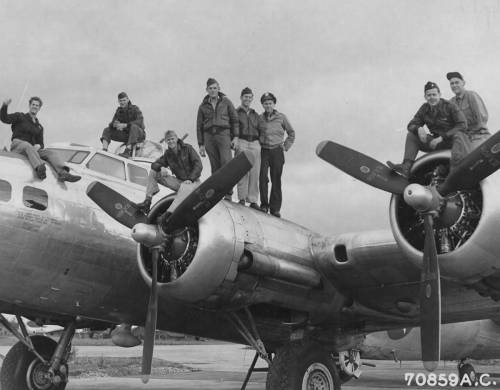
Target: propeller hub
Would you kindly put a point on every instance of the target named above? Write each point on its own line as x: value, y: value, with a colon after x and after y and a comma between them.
x: 422, y: 199
x: 147, y: 235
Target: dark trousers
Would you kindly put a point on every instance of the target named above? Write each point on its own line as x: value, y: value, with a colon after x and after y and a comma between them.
x: 460, y: 144
x: 271, y: 160
x: 218, y: 147
x: 130, y: 136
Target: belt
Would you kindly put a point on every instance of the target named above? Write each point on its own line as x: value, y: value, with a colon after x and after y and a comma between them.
x: 249, y: 138
x: 215, y: 130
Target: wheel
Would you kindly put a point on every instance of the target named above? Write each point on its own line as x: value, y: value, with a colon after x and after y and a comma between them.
x: 467, y: 369
x: 302, y: 366
x: 22, y: 370
x: 349, y: 364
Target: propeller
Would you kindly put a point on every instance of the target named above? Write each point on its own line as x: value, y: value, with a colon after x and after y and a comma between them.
x: 424, y: 200
x: 362, y: 167
x: 192, y: 208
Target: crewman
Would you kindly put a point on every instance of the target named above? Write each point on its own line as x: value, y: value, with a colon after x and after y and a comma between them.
x: 447, y: 126
x: 126, y: 126
x: 251, y: 129
x: 184, y: 163
x: 273, y: 148
x: 27, y: 139
x: 474, y: 109
x: 216, y: 125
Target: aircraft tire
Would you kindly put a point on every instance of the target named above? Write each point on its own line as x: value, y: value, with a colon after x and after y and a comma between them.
x: 467, y: 369
x: 19, y: 360
x: 301, y: 366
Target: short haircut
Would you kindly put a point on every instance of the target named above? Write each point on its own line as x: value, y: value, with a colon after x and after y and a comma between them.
x: 37, y: 99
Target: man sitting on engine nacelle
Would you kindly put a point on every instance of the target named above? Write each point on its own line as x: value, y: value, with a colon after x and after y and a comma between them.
x: 183, y: 161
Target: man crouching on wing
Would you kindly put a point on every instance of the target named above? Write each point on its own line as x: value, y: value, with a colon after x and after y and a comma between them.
x: 27, y: 139
x: 183, y: 161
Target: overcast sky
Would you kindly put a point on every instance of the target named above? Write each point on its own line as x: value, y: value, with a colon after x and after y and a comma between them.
x: 348, y: 71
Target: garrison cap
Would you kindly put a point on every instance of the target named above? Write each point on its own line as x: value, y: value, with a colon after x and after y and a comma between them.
x: 246, y: 91
x: 451, y: 75
x: 122, y: 95
x: 170, y: 133
x: 268, y: 96
x: 211, y: 81
x: 430, y: 85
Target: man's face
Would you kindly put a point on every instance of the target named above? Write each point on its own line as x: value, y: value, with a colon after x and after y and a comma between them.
x: 246, y: 100
x: 213, y: 90
x: 123, y: 102
x: 457, y: 85
x: 34, y: 107
x: 171, y: 141
x: 268, y: 106
x: 432, y: 96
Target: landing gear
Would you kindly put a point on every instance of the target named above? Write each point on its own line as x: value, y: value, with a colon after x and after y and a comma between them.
x: 303, y: 366
x: 349, y: 365
x: 466, y: 369
x: 23, y: 370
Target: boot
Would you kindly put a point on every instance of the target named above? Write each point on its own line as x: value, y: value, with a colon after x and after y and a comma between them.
x: 41, y: 171
x: 127, y: 153
x: 145, y: 206
x: 66, y: 176
x: 403, y: 169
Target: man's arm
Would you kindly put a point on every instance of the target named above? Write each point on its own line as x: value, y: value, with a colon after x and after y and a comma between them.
x: 197, y: 166
x: 112, y: 123
x: 39, y: 139
x: 9, y: 118
x: 479, y: 111
x: 234, y: 120
x: 291, y: 133
x: 199, y: 127
x: 138, y: 118
x: 159, y: 163
x: 458, y: 117
x: 417, y: 121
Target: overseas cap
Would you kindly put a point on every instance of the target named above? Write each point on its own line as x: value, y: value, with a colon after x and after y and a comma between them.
x: 246, y: 91
x: 211, y: 81
x: 451, y: 75
x: 170, y: 133
x: 430, y: 85
x: 122, y: 95
x: 268, y: 96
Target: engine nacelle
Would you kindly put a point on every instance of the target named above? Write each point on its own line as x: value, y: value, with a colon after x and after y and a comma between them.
x: 466, y: 231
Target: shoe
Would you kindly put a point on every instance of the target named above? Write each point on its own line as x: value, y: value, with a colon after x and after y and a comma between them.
x: 276, y: 214
x: 264, y: 208
x: 242, y: 202
x: 41, y: 171
x: 65, y: 176
x: 145, y: 206
x: 254, y: 206
x: 403, y: 169
x: 127, y: 153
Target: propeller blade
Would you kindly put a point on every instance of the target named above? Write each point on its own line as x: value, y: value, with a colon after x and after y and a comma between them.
x: 208, y: 193
x: 476, y: 166
x: 362, y: 167
x: 115, y: 205
x: 150, y: 328
x: 430, y: 300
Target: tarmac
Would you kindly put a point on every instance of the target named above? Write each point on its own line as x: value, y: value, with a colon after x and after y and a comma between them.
x: 224, y: 367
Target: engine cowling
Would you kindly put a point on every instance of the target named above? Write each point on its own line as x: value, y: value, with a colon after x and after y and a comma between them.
x: 465, y: 231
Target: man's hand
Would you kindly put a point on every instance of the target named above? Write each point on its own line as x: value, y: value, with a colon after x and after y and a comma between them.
x: 37, y: 146
x: 235, y: 143
x: 203, y: 152
x: 121, y: 126
x: 187, y: 182
x: 422, y: 134
x: 6, y: 102
x: 435, y: 142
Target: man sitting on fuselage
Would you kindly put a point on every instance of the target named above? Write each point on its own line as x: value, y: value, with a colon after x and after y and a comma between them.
x: 447, y: 126
x: 183, y: 161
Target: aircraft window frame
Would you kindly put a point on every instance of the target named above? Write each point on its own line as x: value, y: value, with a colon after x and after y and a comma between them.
x: 5, y: 189
x: 119, y: 166
x: 70, y: 155
x: 134, y: 178
x: 35, y: 198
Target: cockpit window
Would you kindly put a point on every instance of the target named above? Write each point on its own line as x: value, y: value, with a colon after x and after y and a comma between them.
x: 72, y: 156
x: 35, y: 198
x: 5, y: 191
x: 107, y: 165
x: 137, y: 175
